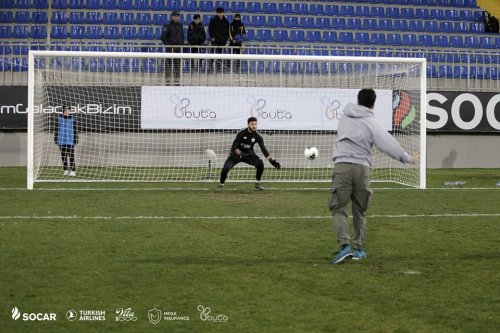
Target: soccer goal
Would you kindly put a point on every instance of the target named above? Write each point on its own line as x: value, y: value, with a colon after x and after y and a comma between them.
x: 160, y: 117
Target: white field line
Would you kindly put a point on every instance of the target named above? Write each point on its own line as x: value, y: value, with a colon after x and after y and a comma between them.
x: 312, y: 217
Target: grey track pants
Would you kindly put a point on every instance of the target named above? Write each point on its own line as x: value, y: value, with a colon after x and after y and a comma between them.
x: 350, y: 184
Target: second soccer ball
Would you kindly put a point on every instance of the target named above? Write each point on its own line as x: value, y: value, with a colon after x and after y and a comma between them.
x: 311, y: 153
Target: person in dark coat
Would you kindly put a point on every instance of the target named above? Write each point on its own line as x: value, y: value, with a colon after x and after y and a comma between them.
x: 196, y: 36
x: 172, y: 36
x: 218, y: 29
x: 66, y: 137
x: 237, y: 34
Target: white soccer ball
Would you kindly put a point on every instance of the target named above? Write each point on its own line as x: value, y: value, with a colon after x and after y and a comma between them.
x: 210, y: 154
x: 311, y: 153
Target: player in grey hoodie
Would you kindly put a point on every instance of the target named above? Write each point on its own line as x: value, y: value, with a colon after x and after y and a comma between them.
x: 357, y: 133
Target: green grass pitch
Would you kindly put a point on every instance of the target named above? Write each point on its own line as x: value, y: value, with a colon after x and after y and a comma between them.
x: 258, y: 259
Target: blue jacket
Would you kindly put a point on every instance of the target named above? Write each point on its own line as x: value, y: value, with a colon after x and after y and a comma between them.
x: 66, y: 133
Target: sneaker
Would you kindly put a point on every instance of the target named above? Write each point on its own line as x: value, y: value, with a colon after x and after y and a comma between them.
x: 259, y: 187
x: 220, y: 188
x: 343, y: 255
x: 358, y: 254
x: 72, y: 173
x: 66, y: 172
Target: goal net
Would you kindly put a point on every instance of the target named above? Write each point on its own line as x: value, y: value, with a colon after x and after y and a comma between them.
x: 161, y: 117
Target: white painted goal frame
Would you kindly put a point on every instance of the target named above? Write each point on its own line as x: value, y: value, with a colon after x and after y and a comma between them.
x: 236, y: 78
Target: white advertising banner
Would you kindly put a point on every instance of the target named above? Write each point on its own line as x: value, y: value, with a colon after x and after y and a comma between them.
x: 179, y: 107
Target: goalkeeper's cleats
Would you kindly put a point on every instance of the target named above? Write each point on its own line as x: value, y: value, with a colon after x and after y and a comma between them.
x: 220, y: 188
x: 259, y: 187
x: 66, y: 172
x: 72, y: 173
x: 358, y: 254
x: 343, y: 255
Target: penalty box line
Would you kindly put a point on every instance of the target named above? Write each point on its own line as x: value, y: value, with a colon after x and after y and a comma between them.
x: 307, y: 217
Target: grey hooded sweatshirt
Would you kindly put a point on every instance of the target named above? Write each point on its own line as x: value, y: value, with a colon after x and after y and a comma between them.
x: 358, y: 132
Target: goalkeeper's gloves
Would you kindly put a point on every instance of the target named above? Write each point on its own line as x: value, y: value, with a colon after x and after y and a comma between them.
x: 275, y: 163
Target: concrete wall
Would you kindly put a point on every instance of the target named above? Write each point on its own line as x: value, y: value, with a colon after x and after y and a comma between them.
x: 443, y: 151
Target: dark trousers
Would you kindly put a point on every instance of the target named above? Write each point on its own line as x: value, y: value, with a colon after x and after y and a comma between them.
x: 196, y: 61
x: 232, y: 160
x: 236, y: 49
x: 173, y: 66
x: 218, y: 49
x: 68, y: 153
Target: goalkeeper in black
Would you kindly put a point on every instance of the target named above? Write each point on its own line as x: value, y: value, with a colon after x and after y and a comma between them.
x: 242, y: 151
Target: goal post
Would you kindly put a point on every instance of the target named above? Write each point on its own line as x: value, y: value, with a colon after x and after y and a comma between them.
x: 172, y: 117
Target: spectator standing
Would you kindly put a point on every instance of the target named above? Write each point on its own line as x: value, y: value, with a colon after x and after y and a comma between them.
x: 172, y: 37
x: 218, y: 29
x: 196, y: 36
x: 237, y: 35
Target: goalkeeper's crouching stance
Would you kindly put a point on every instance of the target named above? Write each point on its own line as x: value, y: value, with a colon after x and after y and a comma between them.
x: 242, y: 151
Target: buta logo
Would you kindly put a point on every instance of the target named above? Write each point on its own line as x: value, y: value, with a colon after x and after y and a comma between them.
x: 181, y: 109
x: 257, y: 106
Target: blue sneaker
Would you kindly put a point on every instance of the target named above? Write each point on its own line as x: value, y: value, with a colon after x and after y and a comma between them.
x: 343, y: 255
x: 358, y: 254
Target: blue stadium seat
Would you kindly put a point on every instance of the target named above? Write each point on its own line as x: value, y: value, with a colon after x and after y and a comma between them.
x: 264, y: 35
x: 362, y: 11
x: 190, y: 6
x: 146, y: 33
x: 313, y: 36
x: 361, y: 38
x: 275, y: 21
x: 292, y: 67
x: 96, y: 65
x: 300, y: 9
x: 158, y: 5
x: 443, y: 3
x: 338, y: 23
x: 143, y: 19
x: 21, y: 4
x: 173, y: 5
x: 492, y: 73
x: 332, y: 10
x: 430, y: 26
x: 394, y: 39
x: 460, y: 27
x: 445, y: 71
x: 76, y: 17
x: 487, y: 42
x: 431, y: 71
x: 110, y: 18
x: 77, y: 32
x: 250, y: 34
x: 407, y: 12
x: 316, y: 9
x: 110, y: 4
x: 436, y: 13
x: 471, y: 42
x: 384, y: 24
x: 19, y: 64
x: 446, y: 26
x: 18, y: 50
x: 59, y: 4
x: 5, y: 50
x: 393, y: 12
x: 369, y: 24
x: 111, y: 32
x: 258, y: 21
x: 322, y: 23
x: 451, y: 14
x: 377, y: 38
x: 38, y: 32
x: 425, y: 40
x: 377, y: 11
x: 440, y: 41
x: 125, y: 5
x: 354, y: 23
x: 39, y: 17
x: 219, y: 3
x: 93, y: 18
x: 269, y: 7
x: 410, y: 39
x: 466, y: 15
x: 422, y: 13
x: 6, y: 17
x: 470, y: 3
x: 141, y: 4
x: 94, y: 32
x: 41, y: 4
x: 458, y: 3
x: 205, y: 19
x: 460, y: 72
x: 239, y: 7
x: 400, y: 25
x: 207, y: 6
x: 159, y: 19
x: 93, y: 4
x: 306, y: 22
x: 291, y: 22
x: 483, y: 58
x: 285, y: 8
x: 157, y: 34
x: 346, y: 37
x: 280, y: 35
x: 456, y: 41
x: 330, y: 36
x: 21, y: 31
x: 346, y: 10
x: 297, y: 36
x: 476, y: 27
x: 58, y: 32
x: 128, y: 32
x: 254, y: 7
x: 416, y: 26
x: 76, y: 4
x: 22, y: 17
